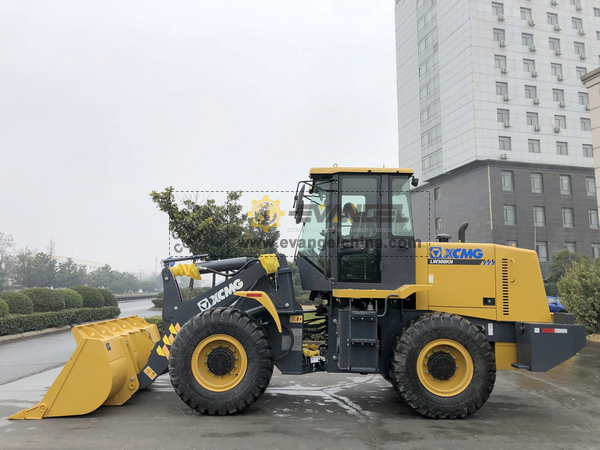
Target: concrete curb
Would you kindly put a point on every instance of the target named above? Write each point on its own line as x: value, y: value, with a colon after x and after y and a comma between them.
x: 53, y: 330
x: 30, y: 334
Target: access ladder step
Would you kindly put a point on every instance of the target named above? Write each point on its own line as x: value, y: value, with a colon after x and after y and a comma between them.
x: 364, y: 341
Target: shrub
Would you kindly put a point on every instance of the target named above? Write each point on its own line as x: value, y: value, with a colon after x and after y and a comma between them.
x: 92, y: 298
x: 580, y: 292
x: 38, y: 321
x: 109, y: 298
x: 158, y: 302
x: 158, y: 321
x: 73, y: 299
x: 3, y: 308
x: 17, y: 303
x: 45, y: 299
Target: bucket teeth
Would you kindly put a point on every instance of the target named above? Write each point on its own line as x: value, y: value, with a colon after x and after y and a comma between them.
x: 102, y: 370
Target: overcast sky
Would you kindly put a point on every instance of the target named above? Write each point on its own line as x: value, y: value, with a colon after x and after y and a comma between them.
x: 102, y: 102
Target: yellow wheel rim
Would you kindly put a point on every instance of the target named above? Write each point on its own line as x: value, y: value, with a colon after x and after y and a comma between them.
x: 436, y: 371
x: 221, y: 347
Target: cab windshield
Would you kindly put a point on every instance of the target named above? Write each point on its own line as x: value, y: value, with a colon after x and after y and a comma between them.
x: 313, y: 244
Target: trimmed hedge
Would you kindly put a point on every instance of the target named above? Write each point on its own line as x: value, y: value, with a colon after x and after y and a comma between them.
x: 158, y: 321
x: 109, y: 298
x: 17, y: 303
x: 3, y: 308
x: 45, y: 300
x: 15, y: 324
x: 73, y: 300
x: 92, y: 298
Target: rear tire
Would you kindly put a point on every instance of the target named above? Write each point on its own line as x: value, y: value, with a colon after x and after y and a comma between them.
x: 443, y: 366
x: 221, y: 361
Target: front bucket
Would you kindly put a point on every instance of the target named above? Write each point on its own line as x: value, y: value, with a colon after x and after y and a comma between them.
x: 102, y: 370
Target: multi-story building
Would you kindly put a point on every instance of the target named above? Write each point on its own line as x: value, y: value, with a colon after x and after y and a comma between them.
x: 494, y: 117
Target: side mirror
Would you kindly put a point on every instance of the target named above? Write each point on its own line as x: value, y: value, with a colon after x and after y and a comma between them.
x: 414, y: 181
x: 299, y: 207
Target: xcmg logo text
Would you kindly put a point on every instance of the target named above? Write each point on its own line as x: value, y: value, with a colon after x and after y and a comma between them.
x: 455, y: 253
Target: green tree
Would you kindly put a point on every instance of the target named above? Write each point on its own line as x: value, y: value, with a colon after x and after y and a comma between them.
x: 580, y: 292
x: 220, y: 231
x: 560, y: 263
x: 70, y: 274
x: 33, y: 269
x: 6, y: 244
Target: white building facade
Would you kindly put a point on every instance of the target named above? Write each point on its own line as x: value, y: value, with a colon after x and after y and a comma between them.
x: 482, y: 80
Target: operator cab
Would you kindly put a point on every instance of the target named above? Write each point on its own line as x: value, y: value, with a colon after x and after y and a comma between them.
x: 357, y: 229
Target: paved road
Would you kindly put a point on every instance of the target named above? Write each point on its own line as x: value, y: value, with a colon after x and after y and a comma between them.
x: 555, y: 410
x: 26, y: 357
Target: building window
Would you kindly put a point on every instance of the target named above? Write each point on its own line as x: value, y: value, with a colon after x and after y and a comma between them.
x: 581, y: 71
x: 588, y: 151
x: 562, y: 148
x: 498, y: 35
x: 590, y: 186
x: 511, y: 243
x: 428, y: 41
x: 503, y: 115
x: 532, y: 118
x: 510, y: 215
x: 556, y: 69
x: 530, y: 92
x: 501, y: 88
x: 430, y: 88
x: 595, y: 250
x: 597, y: 12
x: 528, y: 65
x: 533, y: 145
x: 436, y: 193
x: 438, y: 223
x: 499, y: 61
x: 579, y: 48
x: 539, y: 216
x: 568, y: 218
x: 565, y: 185
x: 428, y: 65
x: 537, y: 183
x: 560, y: 121
x: 554, y: 44
x: 583, y: 98
x: 577, y: 23
x: 586, y: 125
x: 593, y: 215
x: 498, y: 8
x: 598, y: 35
x: 552, y: 19
x: 430, y: 112
x: 426, y: 19
x: 542, y: 250
x: 558, y: 95
x: 527, y: 39
x: 571, y: 246
x: 433, y: 161
x: 504, y: 143
x: 508, y: 180
x: 432, y: 136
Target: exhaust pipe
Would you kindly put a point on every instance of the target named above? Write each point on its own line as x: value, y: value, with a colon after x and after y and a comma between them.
x: 461, y: 232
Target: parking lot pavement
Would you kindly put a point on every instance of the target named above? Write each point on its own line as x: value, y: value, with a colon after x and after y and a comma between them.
x: 555, y: 410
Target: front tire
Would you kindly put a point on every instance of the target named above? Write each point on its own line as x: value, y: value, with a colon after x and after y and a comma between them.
x: 443, y: 366
x: 221, y: 361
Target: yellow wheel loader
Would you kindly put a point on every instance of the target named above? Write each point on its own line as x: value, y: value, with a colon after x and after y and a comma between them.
x: 435, y: 319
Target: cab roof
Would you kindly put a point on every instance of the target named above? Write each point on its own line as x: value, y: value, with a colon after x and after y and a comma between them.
x: 335, y: 169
